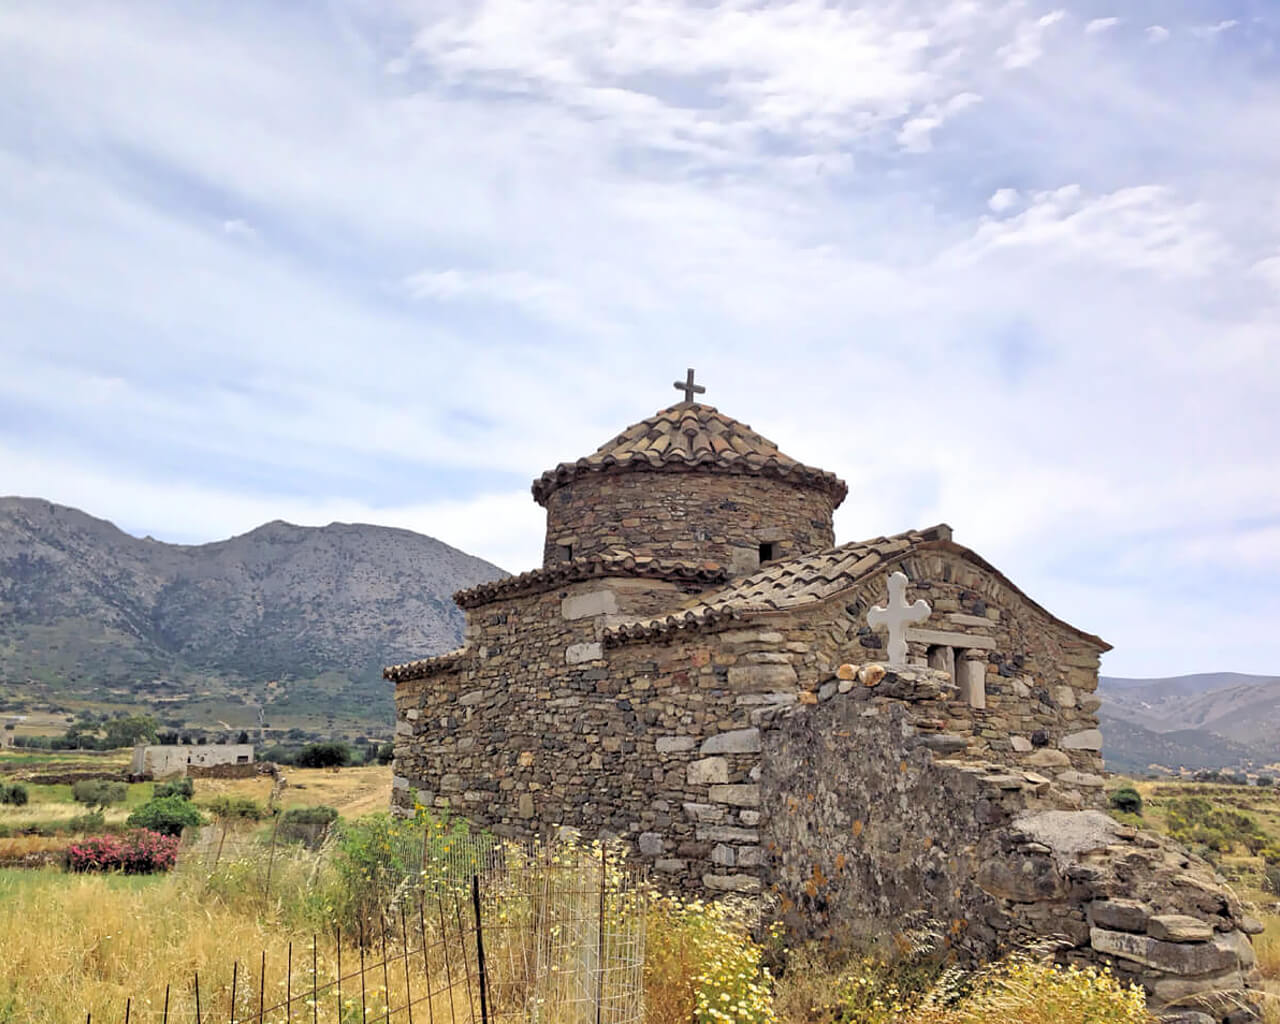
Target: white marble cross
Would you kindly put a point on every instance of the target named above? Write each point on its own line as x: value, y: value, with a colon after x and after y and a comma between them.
x: 897, y: 616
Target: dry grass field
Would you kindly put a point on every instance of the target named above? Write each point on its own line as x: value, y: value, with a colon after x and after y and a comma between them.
x: 351, y: 791
x: 70, y: 942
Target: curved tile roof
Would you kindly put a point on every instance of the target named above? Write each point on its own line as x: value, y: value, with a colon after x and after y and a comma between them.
x: 808, y: 579
x: 424, y: 667
x: 614, y: 562
x: 690, y: 436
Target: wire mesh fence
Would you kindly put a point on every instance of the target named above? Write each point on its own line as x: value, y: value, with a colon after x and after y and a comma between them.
x: 482, y: 930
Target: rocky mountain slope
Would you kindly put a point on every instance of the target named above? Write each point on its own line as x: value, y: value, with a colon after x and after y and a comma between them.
x: 86, y: 608
x: 1210, y: 720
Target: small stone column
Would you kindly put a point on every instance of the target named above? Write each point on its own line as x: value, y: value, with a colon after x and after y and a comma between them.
x: 972, y: 678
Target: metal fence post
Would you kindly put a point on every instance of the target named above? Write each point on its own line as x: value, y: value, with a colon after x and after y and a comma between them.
x: 475, y: 903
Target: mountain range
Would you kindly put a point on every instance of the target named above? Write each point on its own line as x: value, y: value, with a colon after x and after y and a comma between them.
x: 289, y: 626
x: 283, y: 622
x: 1209, y: 720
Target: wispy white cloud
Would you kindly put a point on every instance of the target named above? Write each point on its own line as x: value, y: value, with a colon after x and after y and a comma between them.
x: 237, y: 228
x: 1003, y: 199
x: 1027, y: 46
x: 1139, y: 228
x: 1157, y: 33
x: 1096, y: 25
x: 537, y: 295
x: 1209, y: 31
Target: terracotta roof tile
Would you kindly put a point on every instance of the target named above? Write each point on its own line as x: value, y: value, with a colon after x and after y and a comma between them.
x: 424, y: 667
x: 691, y: 436
x: 808, y: 579
x: 614, y: 562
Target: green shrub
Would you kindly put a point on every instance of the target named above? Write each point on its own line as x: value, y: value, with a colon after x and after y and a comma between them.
x: 1195, y: 820
x: 318, y: 815
x: 1266, y: 780
x: 14, y: 794
x: 91, y: 822
x: 236, y: 808
x: 168, y: 814
x: 99, y: 793
x: 182, y: 787
x: 1271, y: 879
x: 279, y: 754
x: 324, y: 755
x: 377, y: 857
x: 306, y: 824
x: 1127, y: 799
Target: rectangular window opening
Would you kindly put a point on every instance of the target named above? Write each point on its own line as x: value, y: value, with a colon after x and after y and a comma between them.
x: 768, y: 552
x: 565, y: 552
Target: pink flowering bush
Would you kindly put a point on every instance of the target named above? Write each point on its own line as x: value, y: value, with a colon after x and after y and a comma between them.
x: 139, y: 852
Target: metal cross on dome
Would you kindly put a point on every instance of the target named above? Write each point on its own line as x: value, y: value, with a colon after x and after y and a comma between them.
x: 896, y: 617
x: 689, y: 387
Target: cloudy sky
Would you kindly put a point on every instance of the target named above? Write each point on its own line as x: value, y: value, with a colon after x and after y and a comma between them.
x: 1011, y: 265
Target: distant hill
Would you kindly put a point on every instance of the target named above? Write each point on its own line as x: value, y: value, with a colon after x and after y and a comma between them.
x: 283, y: 621
x: 1210, y: 720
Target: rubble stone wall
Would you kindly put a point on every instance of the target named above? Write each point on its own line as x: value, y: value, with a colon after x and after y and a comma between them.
x: 701, y: 517
x: 1038, y: 677
x: 866, y: 830
x: 543, y: 724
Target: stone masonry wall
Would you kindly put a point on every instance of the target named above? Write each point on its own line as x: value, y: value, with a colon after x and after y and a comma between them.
x: 866, y: 831
x: 542, y: 724
x: 716, y: 517
x: 1039, y: 677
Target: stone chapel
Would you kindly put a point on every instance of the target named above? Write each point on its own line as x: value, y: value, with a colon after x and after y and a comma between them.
x: 699, y: 670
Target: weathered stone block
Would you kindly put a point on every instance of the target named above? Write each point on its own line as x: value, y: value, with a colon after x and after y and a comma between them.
x: 399, y: 782
x: 1020, y: 744
x: 1119, y: 915
x: 576, y: 654
x: 581, y: 606
x: 670, y: 865
x: 723, y: 856
x: 727, y: 834
x: 732, y: 883
x: 761, y: 677
x: 1022, y: 879
x: 1179, y: 928
x: 1047, y: 758
x: 1181, y: 958
x: 1239, y: 942
x: 674, y: 744
x: 949, y: 639
x: 707, y: 772
x: 1169, y: 990
x: 738, y: 741
x: 650, y: 843
x: 1084, y: 780
x: 738, y: 796
x: 749, y: 856
x: 709, y: 813
x: 1086, y: 739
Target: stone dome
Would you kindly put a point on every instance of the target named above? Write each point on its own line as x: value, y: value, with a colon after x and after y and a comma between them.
x: 690, y: 435
x: 691, y: 484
